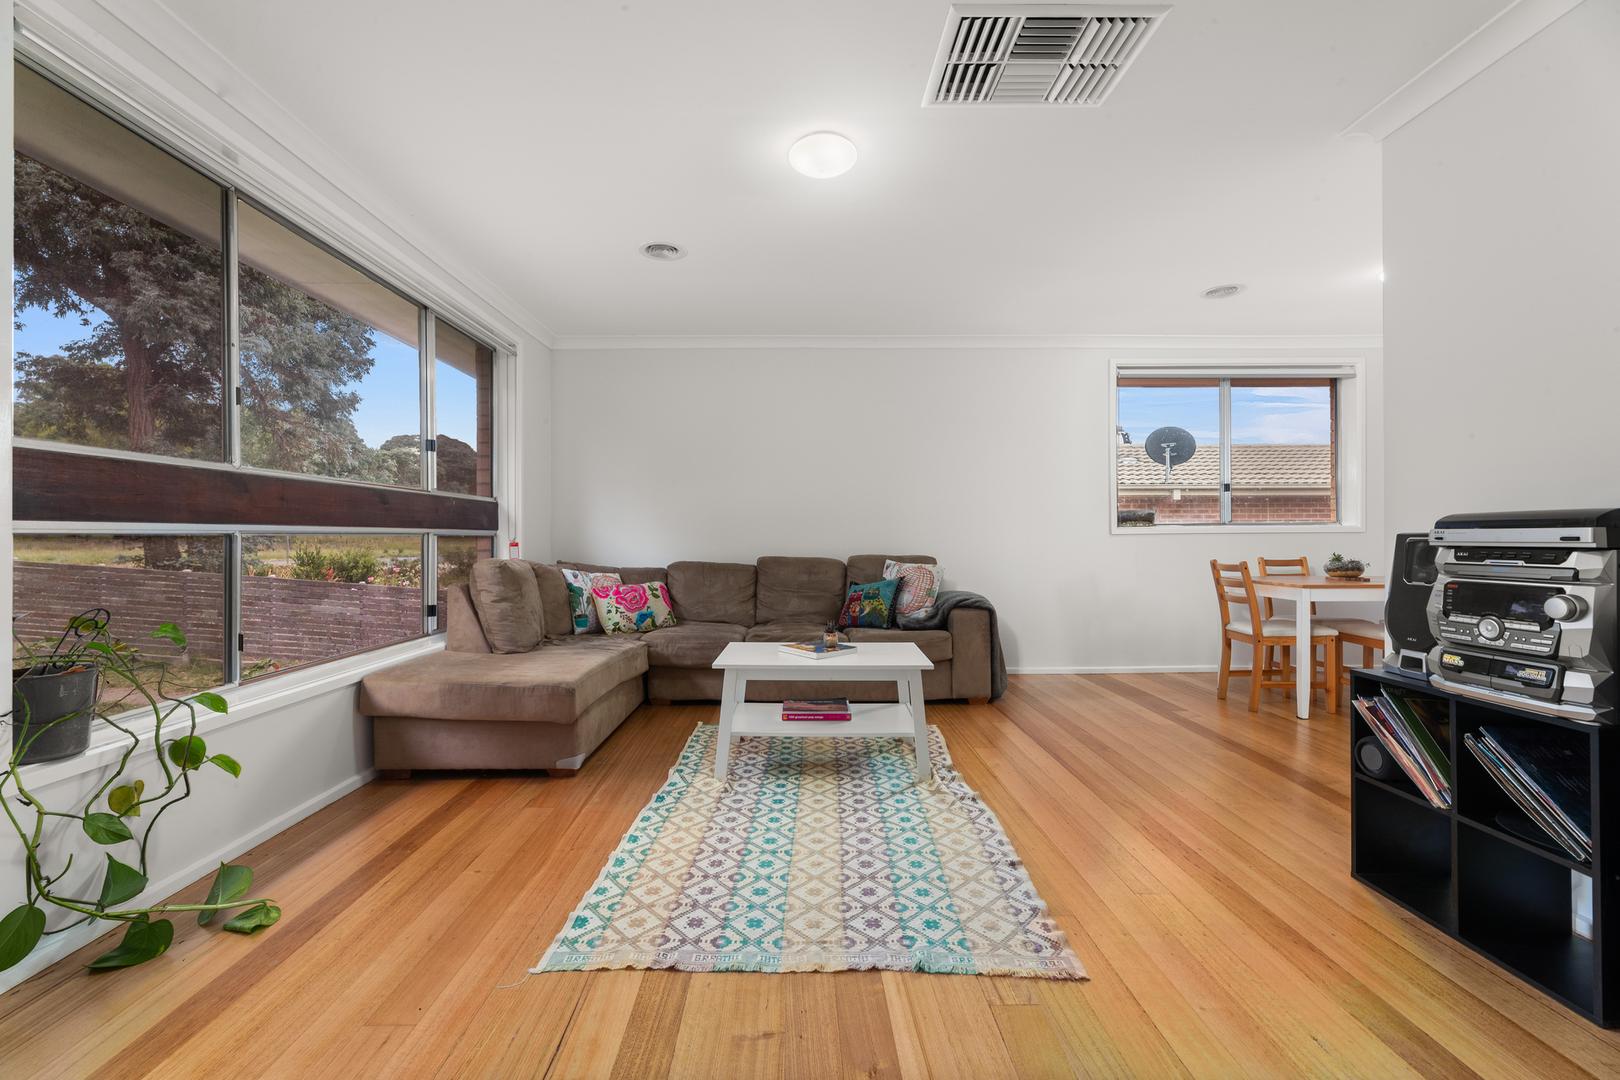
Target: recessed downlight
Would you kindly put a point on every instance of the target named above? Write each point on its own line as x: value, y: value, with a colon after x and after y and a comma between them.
x: 822, y: 155
x: 1222, y: 292
x: 662, y: 252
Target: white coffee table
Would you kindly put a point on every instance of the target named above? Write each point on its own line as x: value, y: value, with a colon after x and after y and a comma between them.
x: 899, y: 662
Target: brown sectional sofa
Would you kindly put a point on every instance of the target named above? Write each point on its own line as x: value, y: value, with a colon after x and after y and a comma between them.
x: 515, y: 688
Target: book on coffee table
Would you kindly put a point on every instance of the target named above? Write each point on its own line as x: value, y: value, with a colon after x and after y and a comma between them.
x: 816, y: 709
x: 815, y: 650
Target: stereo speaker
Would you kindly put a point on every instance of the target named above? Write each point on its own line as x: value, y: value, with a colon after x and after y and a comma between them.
x: 1374, y: 759
x: 1406, y: 618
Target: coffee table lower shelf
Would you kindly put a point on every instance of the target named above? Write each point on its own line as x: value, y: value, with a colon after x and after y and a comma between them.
x: 867, y: 720
x: 765, y: 718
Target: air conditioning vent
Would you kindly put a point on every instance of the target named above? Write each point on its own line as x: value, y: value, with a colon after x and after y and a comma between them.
x: 1042, y: 54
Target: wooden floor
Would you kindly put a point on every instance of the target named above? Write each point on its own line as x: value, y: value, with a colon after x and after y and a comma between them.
x: 1196, y: 854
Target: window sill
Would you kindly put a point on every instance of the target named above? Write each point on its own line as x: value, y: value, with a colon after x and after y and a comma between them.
x: 1123, y: 530
x: 245, y: 703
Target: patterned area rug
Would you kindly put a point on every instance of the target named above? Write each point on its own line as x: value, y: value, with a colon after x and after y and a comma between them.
x: 818, y: 854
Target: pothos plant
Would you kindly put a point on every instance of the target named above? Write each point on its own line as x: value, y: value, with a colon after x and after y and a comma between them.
x: 120, y: 814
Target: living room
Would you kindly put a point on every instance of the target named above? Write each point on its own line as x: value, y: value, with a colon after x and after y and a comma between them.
x: 642, y: 541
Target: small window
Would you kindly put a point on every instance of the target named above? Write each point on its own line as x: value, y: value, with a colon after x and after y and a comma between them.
x: 456, y: 557
x: 314, y: 597
x: 463, y: 377
x: 331, y: 365
x: 1226, y: 451
x: 142, y: 582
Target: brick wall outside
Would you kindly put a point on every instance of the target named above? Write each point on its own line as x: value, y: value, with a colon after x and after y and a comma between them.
x: 1247, y: 507
x: 283, y: 619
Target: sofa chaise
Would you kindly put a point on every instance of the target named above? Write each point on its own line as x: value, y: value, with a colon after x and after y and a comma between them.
x: 516, y: 688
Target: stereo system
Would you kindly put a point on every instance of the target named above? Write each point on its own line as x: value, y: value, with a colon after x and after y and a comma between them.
x: 1513, y: 608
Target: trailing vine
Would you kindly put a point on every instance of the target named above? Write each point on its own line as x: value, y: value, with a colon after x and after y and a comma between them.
x: 119, y: 812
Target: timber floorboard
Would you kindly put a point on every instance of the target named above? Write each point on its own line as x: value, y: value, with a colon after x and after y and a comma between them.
x: 1196, y: 854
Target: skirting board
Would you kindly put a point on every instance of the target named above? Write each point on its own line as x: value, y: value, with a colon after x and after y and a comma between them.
x: 1148, y: 669
x: 61, y: 945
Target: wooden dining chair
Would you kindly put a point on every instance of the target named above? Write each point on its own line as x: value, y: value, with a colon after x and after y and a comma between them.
x: 1243, y: 620
x: 1363, y: 632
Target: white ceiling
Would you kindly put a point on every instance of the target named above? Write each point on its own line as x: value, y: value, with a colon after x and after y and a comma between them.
x: 543, y: 143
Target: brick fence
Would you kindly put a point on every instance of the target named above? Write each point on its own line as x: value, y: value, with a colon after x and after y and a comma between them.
x: 283, y: 619
x: 1250, y: 508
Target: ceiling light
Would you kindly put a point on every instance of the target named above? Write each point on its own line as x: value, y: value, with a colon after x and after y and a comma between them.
x: 1222, y: 292
x: 822, y: 155
x: 663, y: 252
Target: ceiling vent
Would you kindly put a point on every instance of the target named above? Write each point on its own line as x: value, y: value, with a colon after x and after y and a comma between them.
x: 1039, y: 54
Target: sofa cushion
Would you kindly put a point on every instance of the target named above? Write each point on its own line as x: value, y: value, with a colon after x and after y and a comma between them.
x: 919, y: 586
x: 870, y: 567
x: 792, y: 587
x: 630, y: 575
x: 869, y: 604
x: 554, y: 607
x: 935, y: 644
x: 507, y: 598
x: 713, y: 592
x: 552, y: 684
x: 581, y: 604
x: 632, y: 609
x: 788, y: 630
x: 690, y: 644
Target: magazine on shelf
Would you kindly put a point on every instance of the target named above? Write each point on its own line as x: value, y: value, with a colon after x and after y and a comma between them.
x: 816, y: 709
x: 1419, y: 756
x: 1547, y: 780
x: 815, y: 650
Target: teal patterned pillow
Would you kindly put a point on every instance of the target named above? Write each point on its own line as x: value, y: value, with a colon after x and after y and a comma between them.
x: 870, y: 605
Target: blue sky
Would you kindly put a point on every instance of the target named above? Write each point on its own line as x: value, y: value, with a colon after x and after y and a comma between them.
x: 1260, y: 414
x: 388, y: 393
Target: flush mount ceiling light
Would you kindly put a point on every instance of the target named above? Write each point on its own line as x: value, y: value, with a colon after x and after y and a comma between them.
x: 663, y: 252
x: 822, y: 155
x: 1222, y: 292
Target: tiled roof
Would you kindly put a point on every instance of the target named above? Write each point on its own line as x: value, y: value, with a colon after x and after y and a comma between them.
x: 1263, y: 466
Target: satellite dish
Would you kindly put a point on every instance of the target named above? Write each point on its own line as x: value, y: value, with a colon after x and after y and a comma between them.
x: 1171, y: 445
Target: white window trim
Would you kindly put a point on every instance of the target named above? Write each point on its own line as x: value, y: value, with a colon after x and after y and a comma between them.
x: 1352, y: 433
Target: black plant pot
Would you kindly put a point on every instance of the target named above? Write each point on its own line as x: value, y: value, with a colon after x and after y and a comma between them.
x: 56, y: 703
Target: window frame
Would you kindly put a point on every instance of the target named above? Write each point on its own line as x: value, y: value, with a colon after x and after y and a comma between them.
x: 230, y: 287
x: 503, y: 387
x: 1348, y: 375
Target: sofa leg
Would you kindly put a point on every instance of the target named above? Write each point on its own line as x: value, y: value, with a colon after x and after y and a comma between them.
x: 394, y: 774
x: 561, y: 773
x: 660, y: 701
x: 978, y: 701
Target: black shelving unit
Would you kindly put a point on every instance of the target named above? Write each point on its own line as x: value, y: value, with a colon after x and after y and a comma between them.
x: 1478, y: 871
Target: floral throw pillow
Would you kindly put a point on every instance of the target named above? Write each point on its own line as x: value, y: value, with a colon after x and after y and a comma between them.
x: 870, y: 605
x: 633, y: 609
x: 580, y: 603
x: 919, y: 585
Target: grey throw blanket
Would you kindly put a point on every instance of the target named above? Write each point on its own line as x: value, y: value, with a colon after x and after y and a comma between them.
x: 936, y: 618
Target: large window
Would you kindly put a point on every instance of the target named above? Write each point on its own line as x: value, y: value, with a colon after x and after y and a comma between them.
x: 216, y: 415
x: 119, y: 286
x: 1226, y: 450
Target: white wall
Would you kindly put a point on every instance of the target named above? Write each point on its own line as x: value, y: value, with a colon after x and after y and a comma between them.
x: 531, y: 449
x: 1502, y: 299
x: 996, y: 461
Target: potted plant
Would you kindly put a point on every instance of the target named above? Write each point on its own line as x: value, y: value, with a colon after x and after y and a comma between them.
x: 120, y: 805
x: 1338, y: 566
x: 54, y: 693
